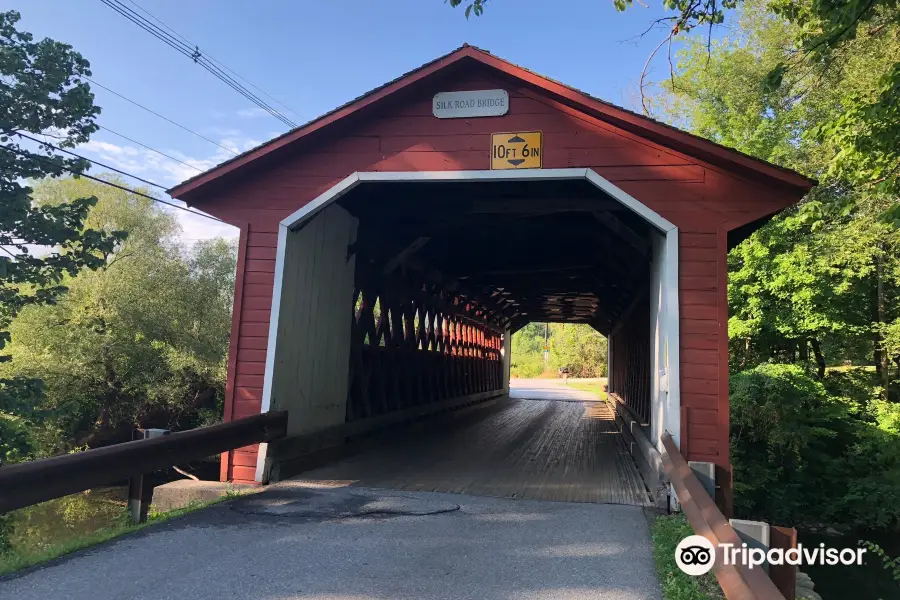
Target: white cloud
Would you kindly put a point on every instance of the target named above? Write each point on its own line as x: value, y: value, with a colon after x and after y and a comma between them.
x: 251, y: 113
x: 195, y: 228
x: 161, y: 170
x: 244, y: 113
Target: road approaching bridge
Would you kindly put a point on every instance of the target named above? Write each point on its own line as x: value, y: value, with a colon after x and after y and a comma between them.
x: 368, y: 531
x: 486, y: 549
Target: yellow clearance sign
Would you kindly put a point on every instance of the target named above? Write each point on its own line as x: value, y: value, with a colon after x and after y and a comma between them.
x: 520, y: 150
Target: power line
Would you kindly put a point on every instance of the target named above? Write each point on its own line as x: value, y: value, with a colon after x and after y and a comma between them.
x: 196, y: 55
x: 193, y: 52
x: 216, y: 61
x: 109, y: 183
x: 153, y: 112
x: 125, y: 137
x: 90, y: 160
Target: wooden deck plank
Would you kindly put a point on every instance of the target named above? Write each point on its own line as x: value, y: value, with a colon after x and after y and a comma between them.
x: 536, y: 449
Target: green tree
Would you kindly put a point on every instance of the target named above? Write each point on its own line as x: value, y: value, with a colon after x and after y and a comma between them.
x: 42, y: 89
x: 141, y: 342
x: 577, y: 347
x: 815, y: 286
x: 813, y: 283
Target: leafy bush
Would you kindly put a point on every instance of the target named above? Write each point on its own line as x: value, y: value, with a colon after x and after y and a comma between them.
x: 892, y: 565
x: 14, y: 443
x: 529, y: 365
x: 803, y: 454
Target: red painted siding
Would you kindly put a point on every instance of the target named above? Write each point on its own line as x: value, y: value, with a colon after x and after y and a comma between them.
x: 702, y: 200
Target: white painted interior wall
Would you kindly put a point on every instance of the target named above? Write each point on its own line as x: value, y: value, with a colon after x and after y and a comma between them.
x: 665, y: 405
x: 309, y: 335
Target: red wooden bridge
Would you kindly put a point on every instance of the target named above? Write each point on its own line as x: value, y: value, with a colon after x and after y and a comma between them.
x: 390, y: 248
x: 388, y: 251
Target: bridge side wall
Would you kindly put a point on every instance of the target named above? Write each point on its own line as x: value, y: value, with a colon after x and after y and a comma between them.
x: 665, y: 413
x: 413, y: 344
x: 629, y: 349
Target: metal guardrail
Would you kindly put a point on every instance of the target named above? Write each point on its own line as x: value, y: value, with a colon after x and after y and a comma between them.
x: 738, y: 582
x: 32, y: 482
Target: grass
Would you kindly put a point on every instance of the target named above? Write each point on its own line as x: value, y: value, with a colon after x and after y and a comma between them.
x: 19, y: 559
x: 594, y: 387
x: 846, y: 368
x: 666, y: 532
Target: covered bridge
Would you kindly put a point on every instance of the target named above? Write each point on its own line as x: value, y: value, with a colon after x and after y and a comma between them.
x: 390, y: 248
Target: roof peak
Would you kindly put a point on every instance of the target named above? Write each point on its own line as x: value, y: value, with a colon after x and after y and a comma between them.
x: 621, y: 117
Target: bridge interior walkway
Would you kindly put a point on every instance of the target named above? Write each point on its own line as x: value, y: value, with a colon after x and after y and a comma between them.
x: 544, y: 442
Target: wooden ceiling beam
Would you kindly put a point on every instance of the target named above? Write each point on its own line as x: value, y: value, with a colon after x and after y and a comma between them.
x: 547, y: 205
x: 404, y: 255
x: 528, y: 271
x: 428, y: 273
x: 623, y: 231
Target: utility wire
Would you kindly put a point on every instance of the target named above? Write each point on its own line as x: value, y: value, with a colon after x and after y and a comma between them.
x: 216, y: 61
x: 46, y: 160
x: 90, y: 160
x: 125, y: 137
x: 193, y: 52
x: 153, y: 112
x: 196, y: 55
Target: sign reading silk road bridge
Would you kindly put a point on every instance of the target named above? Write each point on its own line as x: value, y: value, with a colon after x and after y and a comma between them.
x: 479, y: 103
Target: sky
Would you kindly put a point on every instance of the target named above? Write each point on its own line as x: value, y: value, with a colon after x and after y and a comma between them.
x: 312, y: 56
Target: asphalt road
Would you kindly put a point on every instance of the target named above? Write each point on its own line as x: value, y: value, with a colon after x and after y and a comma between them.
x: 293, y: 542
x: 548, y: 389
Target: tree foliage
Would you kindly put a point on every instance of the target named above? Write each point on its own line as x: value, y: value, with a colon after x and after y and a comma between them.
x: 577, y: 347
x: 816, y: 283
x: 817, y: 287
x: 41, y: 88
x: 810, y: 452
x: 141, y: 342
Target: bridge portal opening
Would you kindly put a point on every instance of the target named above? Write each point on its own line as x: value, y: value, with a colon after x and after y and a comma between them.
x: 396, y: 296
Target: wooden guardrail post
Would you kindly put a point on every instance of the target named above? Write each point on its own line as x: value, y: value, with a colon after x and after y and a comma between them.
x: 140, y: 491
x: 784, y: 576
x: 139, y: 497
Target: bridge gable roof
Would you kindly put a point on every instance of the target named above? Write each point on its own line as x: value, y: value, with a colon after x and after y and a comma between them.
x: 670, y: 137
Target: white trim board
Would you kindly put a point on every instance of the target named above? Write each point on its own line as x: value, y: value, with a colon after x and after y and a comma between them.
x: 297, y: 218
